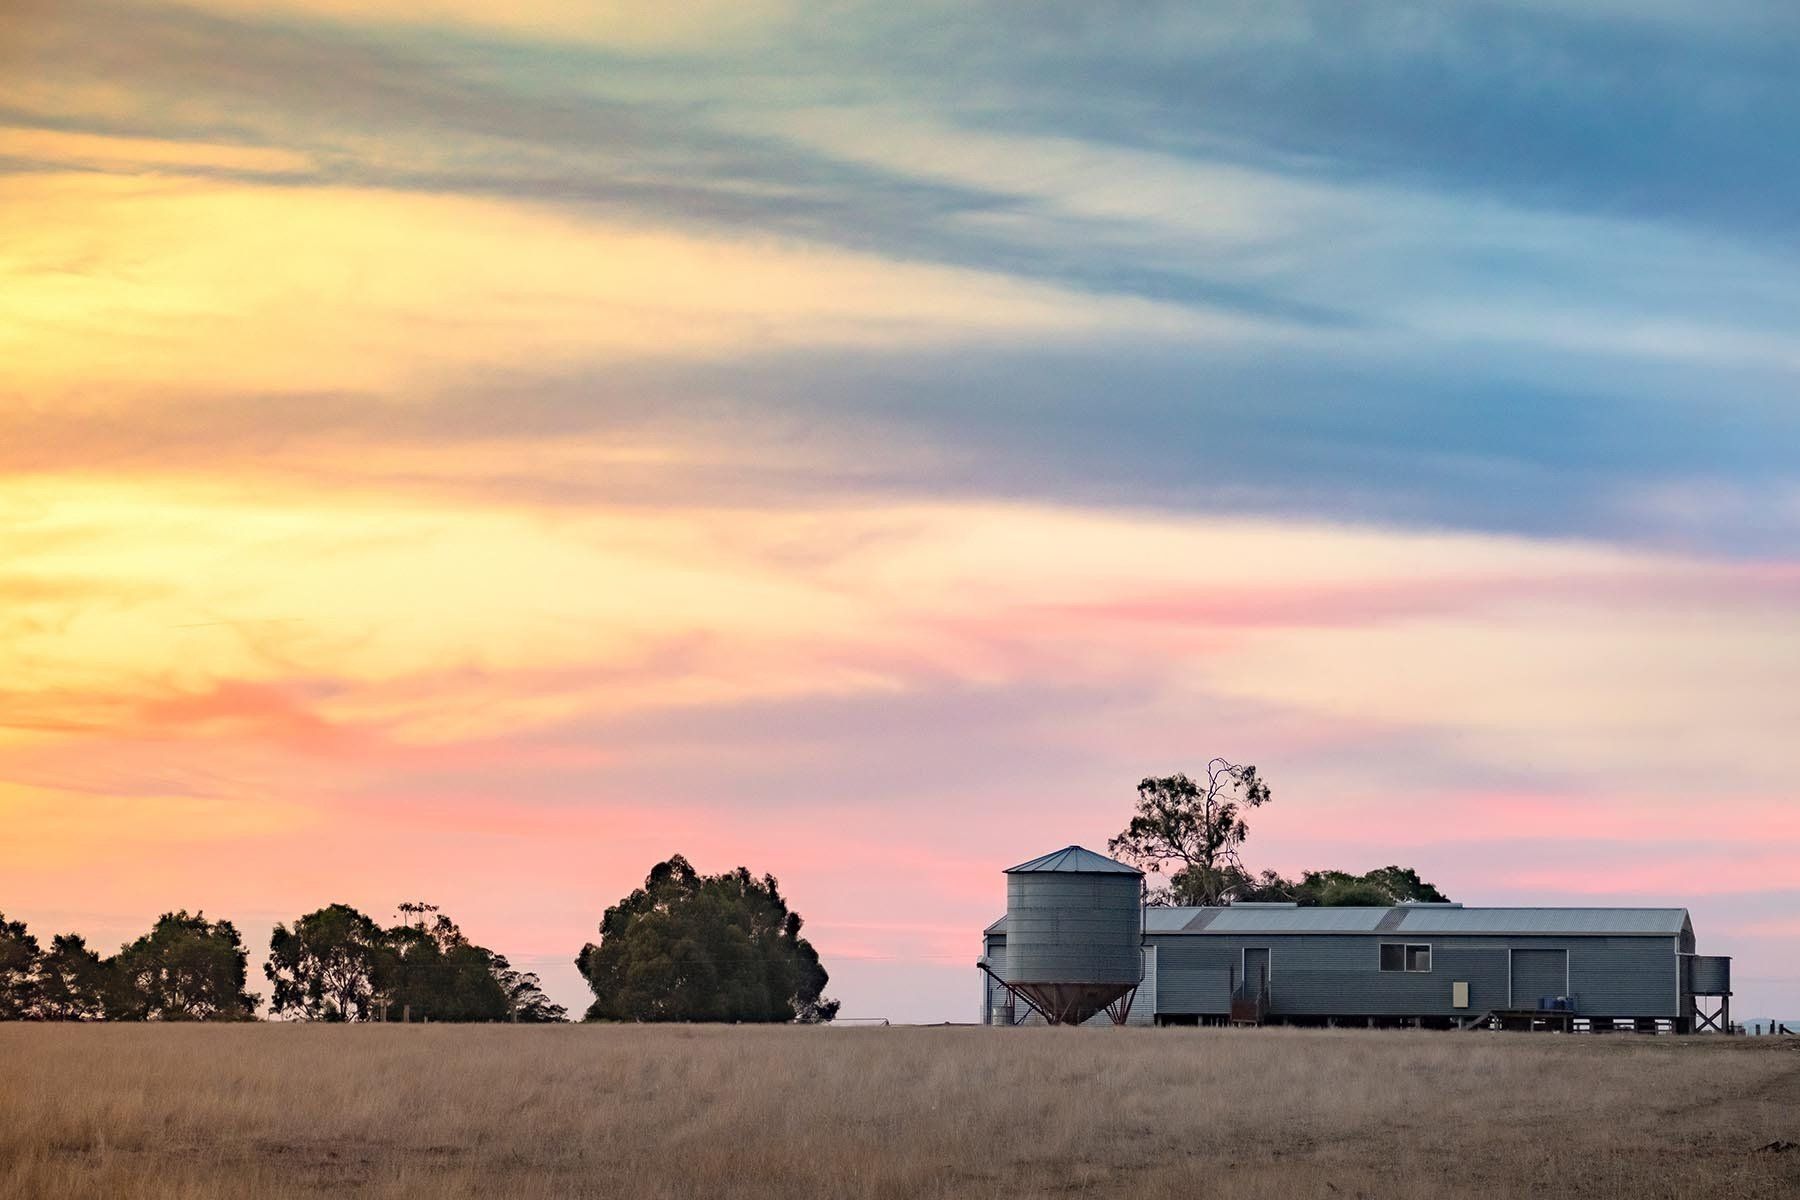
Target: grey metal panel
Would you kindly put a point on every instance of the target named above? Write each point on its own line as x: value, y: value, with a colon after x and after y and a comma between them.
x: 1533, y: 921
x: 1193, y: 976
x: 1537, y: 973
x: 1064, y: 927
x: 1709, y: 974
x: 1624, y: 976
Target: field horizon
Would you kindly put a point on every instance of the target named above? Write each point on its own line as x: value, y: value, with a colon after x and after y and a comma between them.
x: 188, y: 1112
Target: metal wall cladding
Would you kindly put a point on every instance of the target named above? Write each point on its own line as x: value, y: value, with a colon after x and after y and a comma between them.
x: 1341, y: 976
x: 1327, y: 976
x: 1624, y: 976
x: 1537, y: 973
x: 1064, y: 927
x: 1709, y: 975
x: 1192, y: 978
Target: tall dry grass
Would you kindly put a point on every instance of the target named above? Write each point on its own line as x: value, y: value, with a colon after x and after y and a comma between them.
x: 438, y: 1111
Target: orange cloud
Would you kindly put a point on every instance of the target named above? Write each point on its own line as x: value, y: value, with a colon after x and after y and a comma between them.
x: 238, y: 709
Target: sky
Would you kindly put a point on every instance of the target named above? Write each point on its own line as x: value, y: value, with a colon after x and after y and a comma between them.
x: 467, y: 451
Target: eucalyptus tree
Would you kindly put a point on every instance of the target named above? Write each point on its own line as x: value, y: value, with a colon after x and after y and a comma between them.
x: 328, y: 967
x: 19, y: 965
x: 692, y: 947
x: 185, y: 969
x: 73, y: 981
x: 1192, y: 831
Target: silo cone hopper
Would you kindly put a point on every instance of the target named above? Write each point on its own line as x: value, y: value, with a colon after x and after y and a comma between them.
x: 1074, y: 935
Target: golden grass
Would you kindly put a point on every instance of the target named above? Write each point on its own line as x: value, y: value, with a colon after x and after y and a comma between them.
x: 187, y: 1112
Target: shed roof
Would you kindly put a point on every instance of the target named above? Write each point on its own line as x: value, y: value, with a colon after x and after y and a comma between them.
x: 1287, y: 920
x: 1075, y: 859
x: 1414, y: 919
x: 1432, y: 919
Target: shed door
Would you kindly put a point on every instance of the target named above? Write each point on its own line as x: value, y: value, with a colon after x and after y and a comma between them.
x: 1256, y: 966
x: 1538, y: 973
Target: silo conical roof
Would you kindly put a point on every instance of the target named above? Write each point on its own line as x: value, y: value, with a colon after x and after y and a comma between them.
x: 1075, y: 860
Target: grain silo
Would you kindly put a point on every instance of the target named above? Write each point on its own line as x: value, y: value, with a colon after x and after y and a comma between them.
x: 1075, y: 934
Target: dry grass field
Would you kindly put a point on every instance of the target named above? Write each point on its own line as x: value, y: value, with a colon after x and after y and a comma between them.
x: 439, y: 1111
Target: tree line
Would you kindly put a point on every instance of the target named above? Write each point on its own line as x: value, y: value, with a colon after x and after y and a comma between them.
x: 684, y: 947
x: 335, y: 964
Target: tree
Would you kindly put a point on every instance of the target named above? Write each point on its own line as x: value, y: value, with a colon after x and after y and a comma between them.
x: 1194, y: 830
x: 525, y: 994
x: 692, y: 947
x: 328, y: 966
x: 337, y: 964
x: 185, y: 969
x: 1403, y: 885
x: 1378, y: 888
x: 73, y: 981
x: 19, y: 963
x: 434, y: 973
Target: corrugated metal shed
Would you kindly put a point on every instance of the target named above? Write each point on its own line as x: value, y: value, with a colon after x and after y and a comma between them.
x: 1076, y: 859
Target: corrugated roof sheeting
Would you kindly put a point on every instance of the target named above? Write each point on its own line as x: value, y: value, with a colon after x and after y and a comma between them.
x: 1423, y: 919
x: 1426, y: 919
x: 1075, y: 859
x: 1168, y: 920
x: 1296, y: 920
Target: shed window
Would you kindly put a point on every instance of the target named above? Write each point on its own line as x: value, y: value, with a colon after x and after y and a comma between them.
x: 1398, y: 956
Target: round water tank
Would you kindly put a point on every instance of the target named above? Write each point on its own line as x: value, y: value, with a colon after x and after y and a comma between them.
x: 1074, y: 931
x: 1708, y: 975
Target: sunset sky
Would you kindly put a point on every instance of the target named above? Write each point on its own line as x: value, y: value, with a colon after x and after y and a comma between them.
x: 470, y: 451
